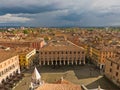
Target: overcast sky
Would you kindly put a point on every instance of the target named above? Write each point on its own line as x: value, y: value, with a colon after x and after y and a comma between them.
x: 60, y: 12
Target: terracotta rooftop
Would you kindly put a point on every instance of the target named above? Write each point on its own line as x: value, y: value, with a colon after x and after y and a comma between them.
x: 104, y: 48
x: 115, y: 60
x: 23, y: 50
x: 59, y: 87
x: 60, y: 46
x: 63, y: 81
x: 32, y: 39
x: 6, y: 54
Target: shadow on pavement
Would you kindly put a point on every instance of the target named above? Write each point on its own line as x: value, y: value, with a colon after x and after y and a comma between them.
x: 104, y: 84
x: 88, y: 72
x: 80, y: 71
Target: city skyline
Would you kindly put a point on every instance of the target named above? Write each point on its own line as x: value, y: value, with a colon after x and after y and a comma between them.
x: 55, y: 13
x: 66, y: 58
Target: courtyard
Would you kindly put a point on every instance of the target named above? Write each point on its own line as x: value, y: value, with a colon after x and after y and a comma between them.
x: 86, y: 75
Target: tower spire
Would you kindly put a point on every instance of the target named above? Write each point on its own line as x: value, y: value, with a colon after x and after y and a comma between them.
x: 36, y: 76
x: 35, y: 79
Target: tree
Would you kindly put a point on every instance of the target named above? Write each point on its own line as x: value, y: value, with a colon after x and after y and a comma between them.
x: 46, y: 38
x: 14, y: 31
x: 25, y: 31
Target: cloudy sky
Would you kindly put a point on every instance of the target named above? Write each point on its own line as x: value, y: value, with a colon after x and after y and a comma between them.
x: 57, y: 13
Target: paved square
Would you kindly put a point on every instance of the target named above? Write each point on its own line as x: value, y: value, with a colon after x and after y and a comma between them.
x: 87, y: 75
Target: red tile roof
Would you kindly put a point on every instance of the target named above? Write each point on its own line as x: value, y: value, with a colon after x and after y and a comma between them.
x: 59, y: 87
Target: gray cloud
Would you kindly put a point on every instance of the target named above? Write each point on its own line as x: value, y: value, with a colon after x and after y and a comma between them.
x: 71, y: 17
x: 29, y: 9
x: 60, y: 12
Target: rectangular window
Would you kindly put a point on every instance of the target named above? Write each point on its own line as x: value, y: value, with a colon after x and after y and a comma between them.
x: 110, y: 70
x: 66, y: 52
x: 116, y: 73
x: 111, y: 63
x: 117, y: 67
x: 82, y: 52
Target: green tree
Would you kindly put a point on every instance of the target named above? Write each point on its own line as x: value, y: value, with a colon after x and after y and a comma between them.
x: 25, y: 31
x: 14, y: 31
x: 46, y: 38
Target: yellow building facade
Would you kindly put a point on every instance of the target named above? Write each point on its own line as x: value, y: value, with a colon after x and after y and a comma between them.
x: 98, y: 55
x: 25, y: 58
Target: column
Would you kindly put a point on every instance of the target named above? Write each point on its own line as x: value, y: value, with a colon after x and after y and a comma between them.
x: 64, y: 62
x: 55, y: 62
x: 60, y: 62
x: 68, y: 62
x: 47, y: 62
x: 84, y: 62
x: 52, y: 62
x: 43, y: 62
x: 79, y: 62
x: 72, y: 62
x: 40, y: 62
x: 76, y: 62
x: 100, y: 66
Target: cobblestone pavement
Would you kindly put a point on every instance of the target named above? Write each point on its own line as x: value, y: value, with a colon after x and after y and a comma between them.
x: 86, y: 75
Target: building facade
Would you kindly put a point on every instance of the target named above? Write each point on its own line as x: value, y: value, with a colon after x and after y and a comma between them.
x: 61, y: 53
x: 26, y: 57
x: 36, y: 43
x: 9, y: 65
x: 112, y: 70
x: 98, y: 55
